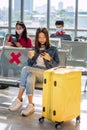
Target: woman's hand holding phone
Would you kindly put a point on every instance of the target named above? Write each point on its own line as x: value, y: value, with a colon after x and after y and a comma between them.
x: 46, y: 56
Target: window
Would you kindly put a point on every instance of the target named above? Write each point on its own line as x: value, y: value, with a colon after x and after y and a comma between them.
x: 4, y: 13
x: 35, y: 13
x: 82, y: 14
x: 16, y: 11
x: 63, y: 9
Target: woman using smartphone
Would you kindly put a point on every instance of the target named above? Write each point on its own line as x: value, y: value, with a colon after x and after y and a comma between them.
x: 20, y: 38
x: 43, y: 56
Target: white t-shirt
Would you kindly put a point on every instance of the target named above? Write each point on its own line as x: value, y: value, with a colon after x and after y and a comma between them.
x: 40, y: 61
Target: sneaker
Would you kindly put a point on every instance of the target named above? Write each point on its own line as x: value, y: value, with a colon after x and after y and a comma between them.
x: 28, y: 110
x: 16, y: 105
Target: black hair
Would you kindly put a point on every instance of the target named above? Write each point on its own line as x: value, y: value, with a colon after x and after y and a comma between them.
x: 24, y: 34
x: 59, y: 22
x: 45, y: 31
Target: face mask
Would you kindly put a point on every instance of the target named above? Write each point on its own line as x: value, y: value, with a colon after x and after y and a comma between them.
x: 19, y: 31
x: 59, y: 29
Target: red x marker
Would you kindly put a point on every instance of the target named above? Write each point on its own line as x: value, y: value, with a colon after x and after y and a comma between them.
x: 15, y: 58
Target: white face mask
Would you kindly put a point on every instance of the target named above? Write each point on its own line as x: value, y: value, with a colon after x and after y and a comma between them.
x: 19, y: 31
x: 59, y: 29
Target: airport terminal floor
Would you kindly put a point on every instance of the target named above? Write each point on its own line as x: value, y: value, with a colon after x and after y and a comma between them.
x: 14, y: 121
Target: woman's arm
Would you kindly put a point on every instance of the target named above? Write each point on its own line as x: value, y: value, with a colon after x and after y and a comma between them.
x: 53, y: 59
x: 32, y: 59
x: 18, y: 44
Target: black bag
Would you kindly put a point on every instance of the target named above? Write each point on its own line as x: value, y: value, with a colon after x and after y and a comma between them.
x: 80, y: 38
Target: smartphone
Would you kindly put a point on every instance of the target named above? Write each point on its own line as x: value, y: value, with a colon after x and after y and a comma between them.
x: 14, y: 39
x: 42, y: 50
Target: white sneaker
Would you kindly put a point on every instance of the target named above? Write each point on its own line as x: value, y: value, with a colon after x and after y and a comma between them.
x: 28, y: 110
x: 16, y: 105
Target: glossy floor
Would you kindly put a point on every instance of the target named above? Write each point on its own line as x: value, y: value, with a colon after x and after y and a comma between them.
x: 14, y: 121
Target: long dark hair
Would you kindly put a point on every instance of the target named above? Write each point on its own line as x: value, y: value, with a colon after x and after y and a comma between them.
x: 24, y: 34
x: 38, y: 31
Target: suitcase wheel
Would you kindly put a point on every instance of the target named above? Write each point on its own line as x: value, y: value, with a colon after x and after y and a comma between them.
x: 58, y: 125
x: 41, y: 119
x: 78, y: 119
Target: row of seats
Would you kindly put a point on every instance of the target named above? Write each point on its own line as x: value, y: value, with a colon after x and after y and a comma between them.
x: 13, y: 60
x: 77, y: 56
x: 75, y: 51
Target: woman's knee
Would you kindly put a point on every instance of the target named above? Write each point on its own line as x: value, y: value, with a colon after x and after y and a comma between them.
x: 24, y: 69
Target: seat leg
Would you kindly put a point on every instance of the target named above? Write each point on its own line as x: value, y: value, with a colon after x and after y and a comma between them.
x: 85, y: 86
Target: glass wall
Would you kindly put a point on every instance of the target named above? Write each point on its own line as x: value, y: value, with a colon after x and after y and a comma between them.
x: 63, y: 10
x: 16, y: 11
x: 3, y: 16
x: 82, y: 17
x: 82, y: 14
x: 3, y: 13
x: 37, y: 13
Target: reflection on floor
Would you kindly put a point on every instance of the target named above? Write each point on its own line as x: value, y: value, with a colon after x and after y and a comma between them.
x: 14, y: 121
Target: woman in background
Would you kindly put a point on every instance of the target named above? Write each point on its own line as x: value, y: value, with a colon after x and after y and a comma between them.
x: 20, y: 38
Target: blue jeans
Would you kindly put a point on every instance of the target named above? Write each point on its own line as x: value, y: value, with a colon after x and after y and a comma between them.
x: 29, y: 76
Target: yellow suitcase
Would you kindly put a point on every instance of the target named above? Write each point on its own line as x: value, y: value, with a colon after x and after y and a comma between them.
x: 61, y: 95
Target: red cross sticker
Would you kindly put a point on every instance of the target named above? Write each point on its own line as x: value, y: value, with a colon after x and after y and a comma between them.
x: 15, y: 58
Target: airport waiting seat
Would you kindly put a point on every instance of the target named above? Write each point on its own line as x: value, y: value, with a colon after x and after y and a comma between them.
x: 13, y: 60
x: 77, y: 56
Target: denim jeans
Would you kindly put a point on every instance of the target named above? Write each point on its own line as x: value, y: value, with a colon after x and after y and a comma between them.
x: 29, y: 76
